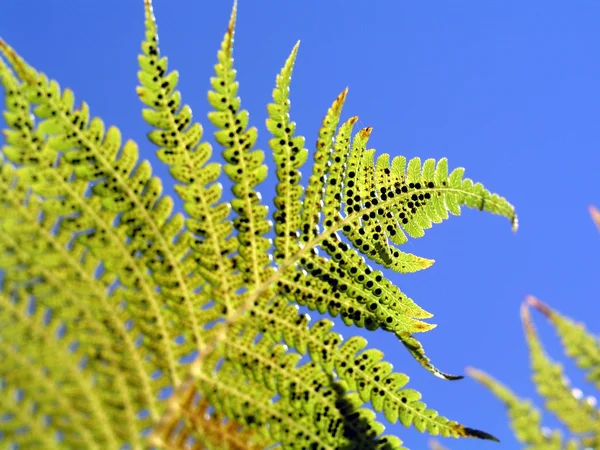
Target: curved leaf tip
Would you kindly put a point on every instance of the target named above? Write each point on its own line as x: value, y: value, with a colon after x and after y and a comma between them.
x: 232, y: 19
x: 539, y: 305
x: 417, y: 351
x: 472, y: 432
x: 526, y: 319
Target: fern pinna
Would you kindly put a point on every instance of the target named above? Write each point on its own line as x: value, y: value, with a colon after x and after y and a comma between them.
x: 579, y: 414
x: 106, y: 290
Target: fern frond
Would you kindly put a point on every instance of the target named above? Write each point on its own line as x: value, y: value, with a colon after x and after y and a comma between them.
x: 411, y: 197
x: 182, y: 149
x: 414, y: 187
x: 249, y: 402
x: 63, y: 279
x: 525, y: 418
x: 354, y: 291
x: 39, y: 338
x: 578, y: 343
x: 302, y: 392
x: 365, y: 372
x: 277, y: 315
x: 386, y: 392
x: 53, y: 403
x: 404, y: 199
x: 244, y: 166
x: 579, y: 415
x: 339, y: 421
x: 101, y: 237
x: 316, y: 182
x: 417, y: 351
x: 122, y: 188
x: 289, y: 155
x: 22, y: 422
x: 132, y: 288
x: 307, y: 387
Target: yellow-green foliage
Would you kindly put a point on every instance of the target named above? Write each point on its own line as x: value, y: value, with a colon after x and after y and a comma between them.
x: 105, y: 288
x: 579, y: 414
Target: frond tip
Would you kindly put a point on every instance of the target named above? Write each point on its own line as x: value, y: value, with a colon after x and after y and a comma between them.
x: 384, y: 202
x: 560, y: 398
x: 418, y: 352
x: 578, y: 343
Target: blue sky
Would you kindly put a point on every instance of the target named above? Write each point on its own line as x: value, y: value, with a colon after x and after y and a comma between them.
x: 508, y: 90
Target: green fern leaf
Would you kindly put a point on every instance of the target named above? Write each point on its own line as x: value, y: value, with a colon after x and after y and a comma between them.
x: 182, y: 150
x: 289, y: 155
x: 525, y: 418
x: 22, y: 421
x: 35, y: 336
x: 577, y: 341
x: 578, y: 414
x: 45, y: 267
x: 418, y: 352
x: 94, y: 155
x: 244, y: 165
x: 103, y: 232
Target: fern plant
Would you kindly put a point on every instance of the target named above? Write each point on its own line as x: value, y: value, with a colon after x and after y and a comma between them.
x: 107, y: 293
x: 578, y: 413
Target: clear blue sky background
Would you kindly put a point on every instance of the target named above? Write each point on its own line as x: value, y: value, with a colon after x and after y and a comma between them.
x: 510, y: 90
